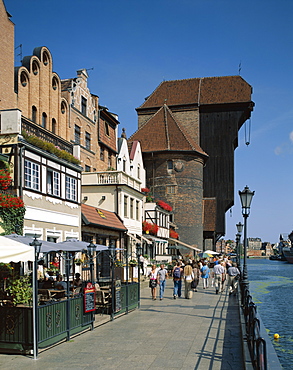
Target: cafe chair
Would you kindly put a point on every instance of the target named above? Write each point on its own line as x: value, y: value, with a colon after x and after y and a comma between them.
x: 102, y: 302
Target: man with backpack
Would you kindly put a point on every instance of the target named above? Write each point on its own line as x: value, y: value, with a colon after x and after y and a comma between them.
x: 177, y: 276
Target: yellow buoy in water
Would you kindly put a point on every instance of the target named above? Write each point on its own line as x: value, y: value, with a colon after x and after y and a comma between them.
x: 276, y: 336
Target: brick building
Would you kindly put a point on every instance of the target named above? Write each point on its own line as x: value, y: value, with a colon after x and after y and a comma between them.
x: 188, y: 130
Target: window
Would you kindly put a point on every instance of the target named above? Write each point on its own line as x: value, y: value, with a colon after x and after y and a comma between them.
x: 44, y: 120
x: 131, y: 208
x: 77, y: 134
x: 70, y: 188
x: 83, y: 105
x: 88, y: 140
x: 34, y: 114
x: 54, y: 83
x: 63, y: 107
x: 101, y: 153
x: 109, y: 160
x: 35, y: 68
x: 53, y: 183
x: 23, y: 79
x: 124, y: 165
x: 137, y: 210
x: 31, y: 175
x: 53, y: 125
x: 107, y: 129
x: 170, y: 165
x: 45, y: 58
x: 87, y: 168
x: 171, y: 189
x: 125, y: 206
x: 138, y: 171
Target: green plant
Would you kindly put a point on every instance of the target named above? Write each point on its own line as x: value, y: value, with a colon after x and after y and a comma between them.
x: 53, y: 268
x: 49, y: 147
x: 119, y: 263
x: 20, y: 290
x: 78, y: 261
x: 5, y: 267
x: 12, y: 212
x: 133, y: 262
x: 146, y: 256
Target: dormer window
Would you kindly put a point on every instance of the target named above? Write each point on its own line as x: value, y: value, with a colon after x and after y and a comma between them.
x: 107, y: 129
x: 83, y: 105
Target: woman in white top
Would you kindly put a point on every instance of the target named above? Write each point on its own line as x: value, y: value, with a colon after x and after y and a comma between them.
x: 188, y: 277
x: 153, y: 281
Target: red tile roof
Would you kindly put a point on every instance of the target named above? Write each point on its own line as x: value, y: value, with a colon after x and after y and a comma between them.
x: 162, y: 132
x: 100, y: 217
x: 200, y: 91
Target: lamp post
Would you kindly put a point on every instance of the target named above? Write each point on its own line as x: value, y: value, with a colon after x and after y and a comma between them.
x: 138, y: 253
x: 246, y: 196
x: 91, y: 248
x: 238, y: 236
x: 37, y: 246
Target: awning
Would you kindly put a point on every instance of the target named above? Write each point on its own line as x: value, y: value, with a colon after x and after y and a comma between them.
x: 184, y: 244
x: 156, y: 240
x: 145, y: 239
x: 133, y: 237
x: 13, y: 251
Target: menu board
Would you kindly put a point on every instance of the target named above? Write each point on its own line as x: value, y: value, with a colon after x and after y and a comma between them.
x: 89, y: 298
x: 118, y: 305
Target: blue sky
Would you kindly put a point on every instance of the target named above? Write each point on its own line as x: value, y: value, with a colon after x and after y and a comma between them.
x: 132, y: 46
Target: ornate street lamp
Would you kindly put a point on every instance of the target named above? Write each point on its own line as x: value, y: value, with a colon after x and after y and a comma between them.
x: 138, y: 253
x: 91, y: 248
x: 238, y: 236
x: 246, y: 196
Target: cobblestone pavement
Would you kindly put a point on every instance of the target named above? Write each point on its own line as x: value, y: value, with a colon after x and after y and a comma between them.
x: 199, y: 333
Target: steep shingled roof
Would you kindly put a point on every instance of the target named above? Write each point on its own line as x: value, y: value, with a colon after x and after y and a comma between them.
x: 200, y: 91
x: 102, y: 218
x: 162, y: 132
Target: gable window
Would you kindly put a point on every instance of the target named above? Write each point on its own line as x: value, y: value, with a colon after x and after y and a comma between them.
x: 137, y: 210
x: 34, y: 114
x: 53, y: 125
x: 70, y: 188
x: 88, y: 140
x: 107, y: 129
x: 31, y: 175
x: 138, y: 171
x: 44, y: 120
x: 124, y: 165
x: 53, y: 183
x: 125, y: 206
x: 77, y: 134
x: 83, y: 105
x: 131, y: 207
x: 171, y: 189
x: 87, y: 168
x: 101, y: 153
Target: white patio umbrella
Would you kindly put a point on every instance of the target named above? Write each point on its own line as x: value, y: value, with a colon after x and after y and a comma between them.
x: 211, y: 252
x: 14, y: 251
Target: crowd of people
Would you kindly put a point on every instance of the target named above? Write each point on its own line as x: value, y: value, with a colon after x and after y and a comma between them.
x: 215, y: 272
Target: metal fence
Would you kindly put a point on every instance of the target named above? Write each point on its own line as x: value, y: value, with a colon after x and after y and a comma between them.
x: 256, y: 344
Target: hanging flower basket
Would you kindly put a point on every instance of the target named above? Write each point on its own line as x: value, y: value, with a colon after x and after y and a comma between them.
x: 5, y: 179
x: 150, y: 228
x: 173, y: 234
x: 164, y: 206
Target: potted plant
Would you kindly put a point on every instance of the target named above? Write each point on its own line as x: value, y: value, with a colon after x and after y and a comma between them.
x: 20, y: 290
x: 78, y: 261
x: 5, y: 270
x: 132, y: 263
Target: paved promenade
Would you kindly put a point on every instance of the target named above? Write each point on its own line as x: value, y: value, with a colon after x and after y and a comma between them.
x: 199, y: 333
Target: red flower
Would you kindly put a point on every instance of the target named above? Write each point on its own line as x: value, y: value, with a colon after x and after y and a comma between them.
x: 149, y: 227
x: 164, y: 205
x: 173, y: 234
x: 145, y: 190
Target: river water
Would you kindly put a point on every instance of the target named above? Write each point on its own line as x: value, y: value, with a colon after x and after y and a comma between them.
x: 270, y: 284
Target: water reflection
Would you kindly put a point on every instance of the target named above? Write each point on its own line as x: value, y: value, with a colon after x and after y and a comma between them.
x: 272, y: 291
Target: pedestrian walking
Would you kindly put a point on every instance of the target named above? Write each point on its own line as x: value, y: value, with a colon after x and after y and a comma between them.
x: 188, y: 278
x: 153, y: 281
x: 162, y: 277
x: 224, y: 275
x: 233, y: 274
x: 219, y: 272
x: 141, y: 262
x: 205, y: 271
x: 177, y: 276
x: 196, y: 273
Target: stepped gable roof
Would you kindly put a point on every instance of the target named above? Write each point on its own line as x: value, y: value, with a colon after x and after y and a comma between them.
x: 200, y: 91
x: 98, y: 217
x: 162, y: 132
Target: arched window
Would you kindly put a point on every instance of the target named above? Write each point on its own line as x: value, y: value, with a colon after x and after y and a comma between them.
x: 63, y: 107
x: 34, y: 114
x: 45, y: 58
x: 23, y: 79
x: 54, y: 83
x: 44, y: 120
x: 54, y: 126
x: 35, y: 68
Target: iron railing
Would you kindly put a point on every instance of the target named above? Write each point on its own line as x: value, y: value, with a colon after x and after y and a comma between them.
x: 256, y: 344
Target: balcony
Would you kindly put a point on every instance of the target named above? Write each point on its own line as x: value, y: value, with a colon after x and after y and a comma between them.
x: 110, y: 178
x: 36, y: 130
